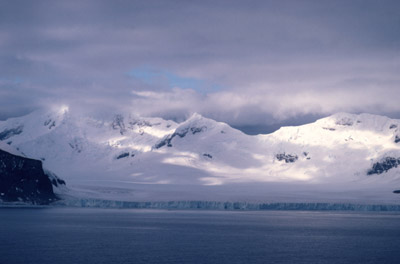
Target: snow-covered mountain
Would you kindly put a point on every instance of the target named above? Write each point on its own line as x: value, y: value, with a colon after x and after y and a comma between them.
x: 133, y: 158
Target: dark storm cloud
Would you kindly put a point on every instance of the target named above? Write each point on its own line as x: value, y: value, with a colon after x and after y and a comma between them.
x: 271, y: 60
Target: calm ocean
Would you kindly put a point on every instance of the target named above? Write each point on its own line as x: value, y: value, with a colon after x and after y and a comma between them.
x: 112, y: 236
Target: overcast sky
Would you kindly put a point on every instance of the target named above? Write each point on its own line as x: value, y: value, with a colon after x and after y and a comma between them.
x: 249, y: 63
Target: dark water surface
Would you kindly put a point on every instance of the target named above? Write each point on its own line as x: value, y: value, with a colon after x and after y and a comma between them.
x: 69, y: 235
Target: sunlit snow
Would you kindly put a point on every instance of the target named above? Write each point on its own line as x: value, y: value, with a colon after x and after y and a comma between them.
x: 333, y: 153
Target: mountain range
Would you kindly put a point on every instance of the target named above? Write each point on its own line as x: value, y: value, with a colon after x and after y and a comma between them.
x: 125, y: 157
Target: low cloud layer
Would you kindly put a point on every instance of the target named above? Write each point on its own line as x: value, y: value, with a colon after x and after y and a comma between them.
x: 254, y: 63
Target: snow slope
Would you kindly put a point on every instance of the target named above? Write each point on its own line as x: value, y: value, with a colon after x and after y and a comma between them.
x: 341, y: 157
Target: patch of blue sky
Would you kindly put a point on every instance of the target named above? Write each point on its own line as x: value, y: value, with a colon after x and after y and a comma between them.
x: 13, y: 80
x: 145, y: 75
x: 151, y: 77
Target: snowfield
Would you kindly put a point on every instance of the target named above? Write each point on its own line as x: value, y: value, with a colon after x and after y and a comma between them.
x: 342, y: 158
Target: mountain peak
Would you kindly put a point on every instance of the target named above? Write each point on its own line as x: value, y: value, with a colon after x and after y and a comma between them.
x: 363, y: 121
x: 195, y: 116
x: 341, y: 148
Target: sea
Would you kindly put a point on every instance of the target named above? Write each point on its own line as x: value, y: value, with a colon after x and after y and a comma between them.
x: 112, y: 236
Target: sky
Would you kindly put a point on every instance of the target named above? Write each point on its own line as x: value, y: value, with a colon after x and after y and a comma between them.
x: 256, y: 65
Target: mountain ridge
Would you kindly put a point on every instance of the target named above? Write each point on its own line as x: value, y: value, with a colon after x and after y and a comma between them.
x: 343, y: 149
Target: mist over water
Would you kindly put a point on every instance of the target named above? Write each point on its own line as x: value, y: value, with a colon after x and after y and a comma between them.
x: 70, y: 235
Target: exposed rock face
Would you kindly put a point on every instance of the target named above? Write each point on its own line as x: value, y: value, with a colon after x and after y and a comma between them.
x: 198, y: 129
x: 207, y: 155
x: 288, y: 158
x: 23, y: 179
x: 7, y: 133
x: 118, y: 124
x: 167, y: 140
x: 345, y: 121
x: 384, y: 165
x: 181, y: 132
x: 123, y: 155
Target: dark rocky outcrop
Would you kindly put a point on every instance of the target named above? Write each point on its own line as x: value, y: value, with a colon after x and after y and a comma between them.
x: 76, y: 144
x: 118, y: 124
x: 198, y: 129
x: 7, y: 133
x: 49, y: 123
x: 167, y: 140
x: 207, y: 155
x: 288, y: 158
x: 384, y: 165
x: 57, y: 182
x: 23, y: 179
x: 345, y: 121
x: 123, y: 155
x: 142, y: 123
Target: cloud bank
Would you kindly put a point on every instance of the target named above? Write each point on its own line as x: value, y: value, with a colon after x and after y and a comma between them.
x: 245, y: 63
